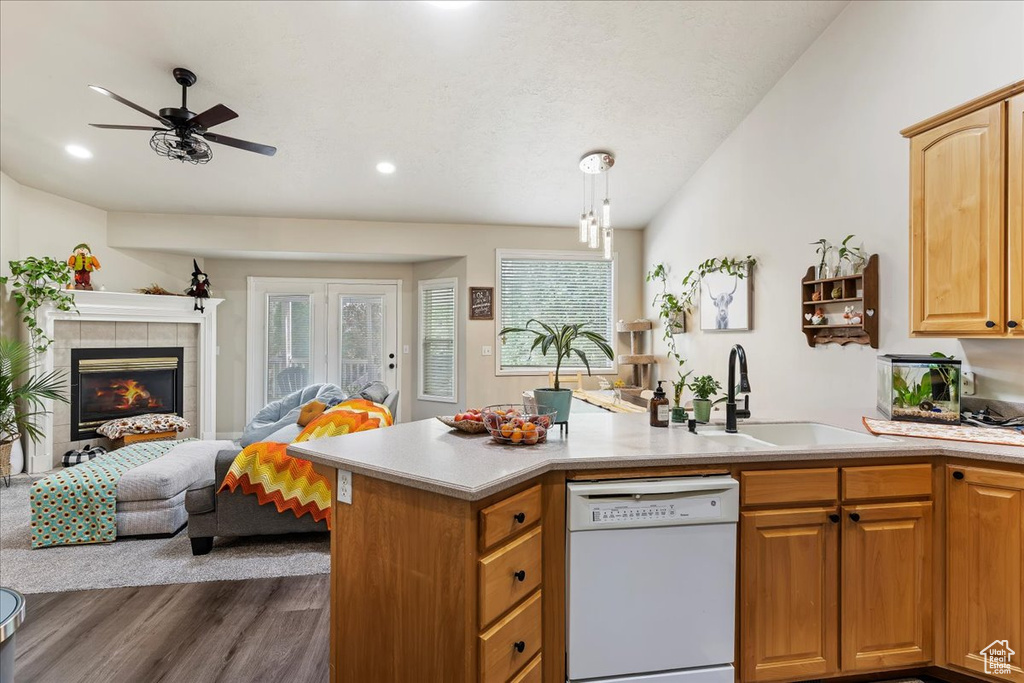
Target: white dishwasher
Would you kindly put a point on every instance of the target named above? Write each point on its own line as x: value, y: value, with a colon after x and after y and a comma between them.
x: 651, y: 580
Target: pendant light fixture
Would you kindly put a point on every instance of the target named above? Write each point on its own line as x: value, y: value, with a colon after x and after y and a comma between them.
x: 598, y: 228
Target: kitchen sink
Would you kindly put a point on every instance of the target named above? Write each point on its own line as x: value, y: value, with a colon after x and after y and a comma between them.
x: 738, y: 440
x: 807, y: 434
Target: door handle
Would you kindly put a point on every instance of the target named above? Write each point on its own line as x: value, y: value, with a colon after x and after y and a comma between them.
x: 391, y: 356
x: 391, y: 366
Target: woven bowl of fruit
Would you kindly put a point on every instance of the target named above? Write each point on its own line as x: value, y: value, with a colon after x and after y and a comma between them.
x: 469, y: 422
x: 516, y: 426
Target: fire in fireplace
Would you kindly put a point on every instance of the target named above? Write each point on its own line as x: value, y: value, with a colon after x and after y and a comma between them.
x: 107, y: 384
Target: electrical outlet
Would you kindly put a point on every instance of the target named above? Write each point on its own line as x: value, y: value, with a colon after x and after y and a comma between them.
x: 344, y: 487
x: 967, y: 384
x: 485, y: 350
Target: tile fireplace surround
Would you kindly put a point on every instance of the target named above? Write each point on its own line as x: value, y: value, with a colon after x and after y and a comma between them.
x: 117, y: 319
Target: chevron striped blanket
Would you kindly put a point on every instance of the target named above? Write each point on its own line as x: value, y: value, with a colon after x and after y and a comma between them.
x: 291, y: 484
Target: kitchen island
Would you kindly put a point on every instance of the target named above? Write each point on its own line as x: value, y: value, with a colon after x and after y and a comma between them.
x: 438, y: 522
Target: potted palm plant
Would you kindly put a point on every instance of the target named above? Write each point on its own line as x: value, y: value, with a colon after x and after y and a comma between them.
x: 22, y: 396
x: 678, y: 411
x: 560, y: 339
x: 703, y: 388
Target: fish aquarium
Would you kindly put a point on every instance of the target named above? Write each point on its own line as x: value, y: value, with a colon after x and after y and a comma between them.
x: 919, y: 388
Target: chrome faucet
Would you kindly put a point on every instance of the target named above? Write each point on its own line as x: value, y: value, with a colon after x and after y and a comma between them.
x: 731, y: 413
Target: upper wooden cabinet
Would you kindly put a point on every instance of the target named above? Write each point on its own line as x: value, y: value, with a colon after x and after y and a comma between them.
x: 966, y: 244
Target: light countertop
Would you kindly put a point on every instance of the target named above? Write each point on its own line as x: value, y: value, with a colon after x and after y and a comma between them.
x: 427, y: 455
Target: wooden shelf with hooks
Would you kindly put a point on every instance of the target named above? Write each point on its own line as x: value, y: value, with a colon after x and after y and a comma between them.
x: 847, y: 290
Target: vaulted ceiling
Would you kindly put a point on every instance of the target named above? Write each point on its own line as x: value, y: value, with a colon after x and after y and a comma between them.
x: 485, y: 110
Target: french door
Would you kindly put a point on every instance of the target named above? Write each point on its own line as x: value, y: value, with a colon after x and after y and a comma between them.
x: 308, y: 331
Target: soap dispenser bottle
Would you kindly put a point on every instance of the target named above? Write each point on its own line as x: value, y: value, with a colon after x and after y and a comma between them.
x: 659, y: 407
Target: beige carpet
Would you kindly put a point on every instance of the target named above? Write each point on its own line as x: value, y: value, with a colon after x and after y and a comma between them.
x: 142, y: 562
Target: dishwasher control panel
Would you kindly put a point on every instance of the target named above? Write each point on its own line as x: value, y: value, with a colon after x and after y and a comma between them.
x: 639, y: 511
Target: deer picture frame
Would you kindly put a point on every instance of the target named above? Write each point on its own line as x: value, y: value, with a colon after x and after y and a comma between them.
x: 726, y: 301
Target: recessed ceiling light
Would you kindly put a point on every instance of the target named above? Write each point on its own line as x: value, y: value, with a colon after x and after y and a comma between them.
x: 450, y: 4
x: 386, y: 167
x: 78, y: 151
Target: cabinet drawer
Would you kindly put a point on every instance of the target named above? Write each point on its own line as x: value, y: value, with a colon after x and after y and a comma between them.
x: 508, y: 575
x: 509, y: 517
x: 887, y: 481
x: 531, y: 674
x: 780, y: 487
x: 500, y: 656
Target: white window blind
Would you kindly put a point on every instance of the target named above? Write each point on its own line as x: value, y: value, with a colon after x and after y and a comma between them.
x: 437, y: 340
x: 289, y: 331
x: 557, y: 290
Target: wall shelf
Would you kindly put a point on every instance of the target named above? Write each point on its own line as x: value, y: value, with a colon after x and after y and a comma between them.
x: 852, y: 289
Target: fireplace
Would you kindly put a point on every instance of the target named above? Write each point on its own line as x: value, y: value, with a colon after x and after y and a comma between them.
x: 107, y: 384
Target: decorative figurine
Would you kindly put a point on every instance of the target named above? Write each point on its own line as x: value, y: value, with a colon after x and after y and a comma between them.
x: 200, y: 288
x: 816, y: 296
x: 837, y: 292
x: 848, y: 314
x: 819, y: 317
x: 83, y: 263
x: 856, y: 319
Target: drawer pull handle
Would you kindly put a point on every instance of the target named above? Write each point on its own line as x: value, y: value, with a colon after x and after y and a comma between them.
x: 519, y: 646
x: 958, y: 475
x: 520, y: 575
x: 834, y: 518
x: 989, y: 324
x: 854, y: 516
x: 1011, y: 324
x: 519, y: 517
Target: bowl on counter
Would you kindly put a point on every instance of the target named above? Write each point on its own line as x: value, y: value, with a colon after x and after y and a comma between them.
x: 515, y: 425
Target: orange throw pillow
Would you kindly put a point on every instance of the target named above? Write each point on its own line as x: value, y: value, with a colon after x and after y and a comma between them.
x: 310, y: 411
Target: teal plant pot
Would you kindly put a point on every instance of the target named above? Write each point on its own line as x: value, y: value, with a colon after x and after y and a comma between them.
x: 702, y: 410
x: 554, y: 401
x: 679, y: 415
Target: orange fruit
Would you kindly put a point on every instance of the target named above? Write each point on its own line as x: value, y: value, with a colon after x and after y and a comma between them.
x: 529, y: 427
x: 517, y: 436
x: 530, y: 437
x: 506, y: 430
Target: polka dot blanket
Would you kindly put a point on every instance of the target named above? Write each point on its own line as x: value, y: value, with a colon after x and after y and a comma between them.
x: 77, y: 504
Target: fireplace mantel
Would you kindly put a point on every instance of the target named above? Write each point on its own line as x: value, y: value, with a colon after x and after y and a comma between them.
x: 144, y: 308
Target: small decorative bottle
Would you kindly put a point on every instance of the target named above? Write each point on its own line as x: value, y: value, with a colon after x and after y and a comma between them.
x: 659, y: 407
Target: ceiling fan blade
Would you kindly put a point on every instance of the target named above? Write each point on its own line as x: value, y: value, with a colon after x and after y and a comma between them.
x: 114, y: 126
x: 241, y: 144
x: 212, y: 117
x: 115, y: 96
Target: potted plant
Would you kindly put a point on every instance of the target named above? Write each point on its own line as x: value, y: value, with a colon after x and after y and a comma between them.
x: 22, y: 396
x: 37, y: 281
x: 824, y: 248
x: 703, y: 388
x: 561, y: 339
x: 678, y: 411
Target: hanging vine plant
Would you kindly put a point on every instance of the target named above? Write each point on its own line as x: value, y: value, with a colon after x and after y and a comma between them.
x: 35, y: 282
x: 740, y: 268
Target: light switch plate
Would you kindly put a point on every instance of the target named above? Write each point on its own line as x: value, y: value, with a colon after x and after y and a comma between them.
x: 485, y: 350
x: 344, y: 487
x: 405, y: 349
x: 968, y: 386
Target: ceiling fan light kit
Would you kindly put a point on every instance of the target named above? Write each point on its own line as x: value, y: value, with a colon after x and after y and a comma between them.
x: 185, y: 134
x: 596, y: 229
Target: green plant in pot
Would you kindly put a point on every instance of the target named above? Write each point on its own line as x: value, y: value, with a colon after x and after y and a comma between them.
x: 22, y: 396
x: 703, y: 388
x: 678, y: 411
x: 561, y: 339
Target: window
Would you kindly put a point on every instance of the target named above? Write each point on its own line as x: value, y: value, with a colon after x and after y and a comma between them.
x: 437, y: 340
x: 289, y: 348
x: 555, y: 287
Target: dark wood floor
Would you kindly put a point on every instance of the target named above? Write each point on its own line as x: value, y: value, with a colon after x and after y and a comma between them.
x: 223, y: 631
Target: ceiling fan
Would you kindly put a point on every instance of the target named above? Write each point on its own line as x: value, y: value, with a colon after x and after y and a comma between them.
x: 184, y: 133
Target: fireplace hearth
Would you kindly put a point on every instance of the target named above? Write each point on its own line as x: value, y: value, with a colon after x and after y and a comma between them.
x: 112, y: 383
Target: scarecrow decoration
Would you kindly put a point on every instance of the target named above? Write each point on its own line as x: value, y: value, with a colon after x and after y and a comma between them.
x: 83, y: 263
x: 200, y: 288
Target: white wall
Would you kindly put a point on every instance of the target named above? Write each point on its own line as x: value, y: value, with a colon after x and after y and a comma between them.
x: 821, y: 156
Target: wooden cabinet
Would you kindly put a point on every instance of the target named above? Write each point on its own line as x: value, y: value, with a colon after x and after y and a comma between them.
x: 886, y: 586
x: 965, y: 251
x: 789, y: 592
x: 1015, y: 215
x: 985, y: 568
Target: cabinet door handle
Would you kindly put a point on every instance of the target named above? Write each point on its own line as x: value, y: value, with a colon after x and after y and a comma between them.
x: 834, y: 518
x: 1011, y: 324
x: 519, y: 646
x: 391, y: 366
x: 989, y: 323
x: 854, y: 516
x: 958, y: 475
x: 520, y: 575
x: 519, y: 517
